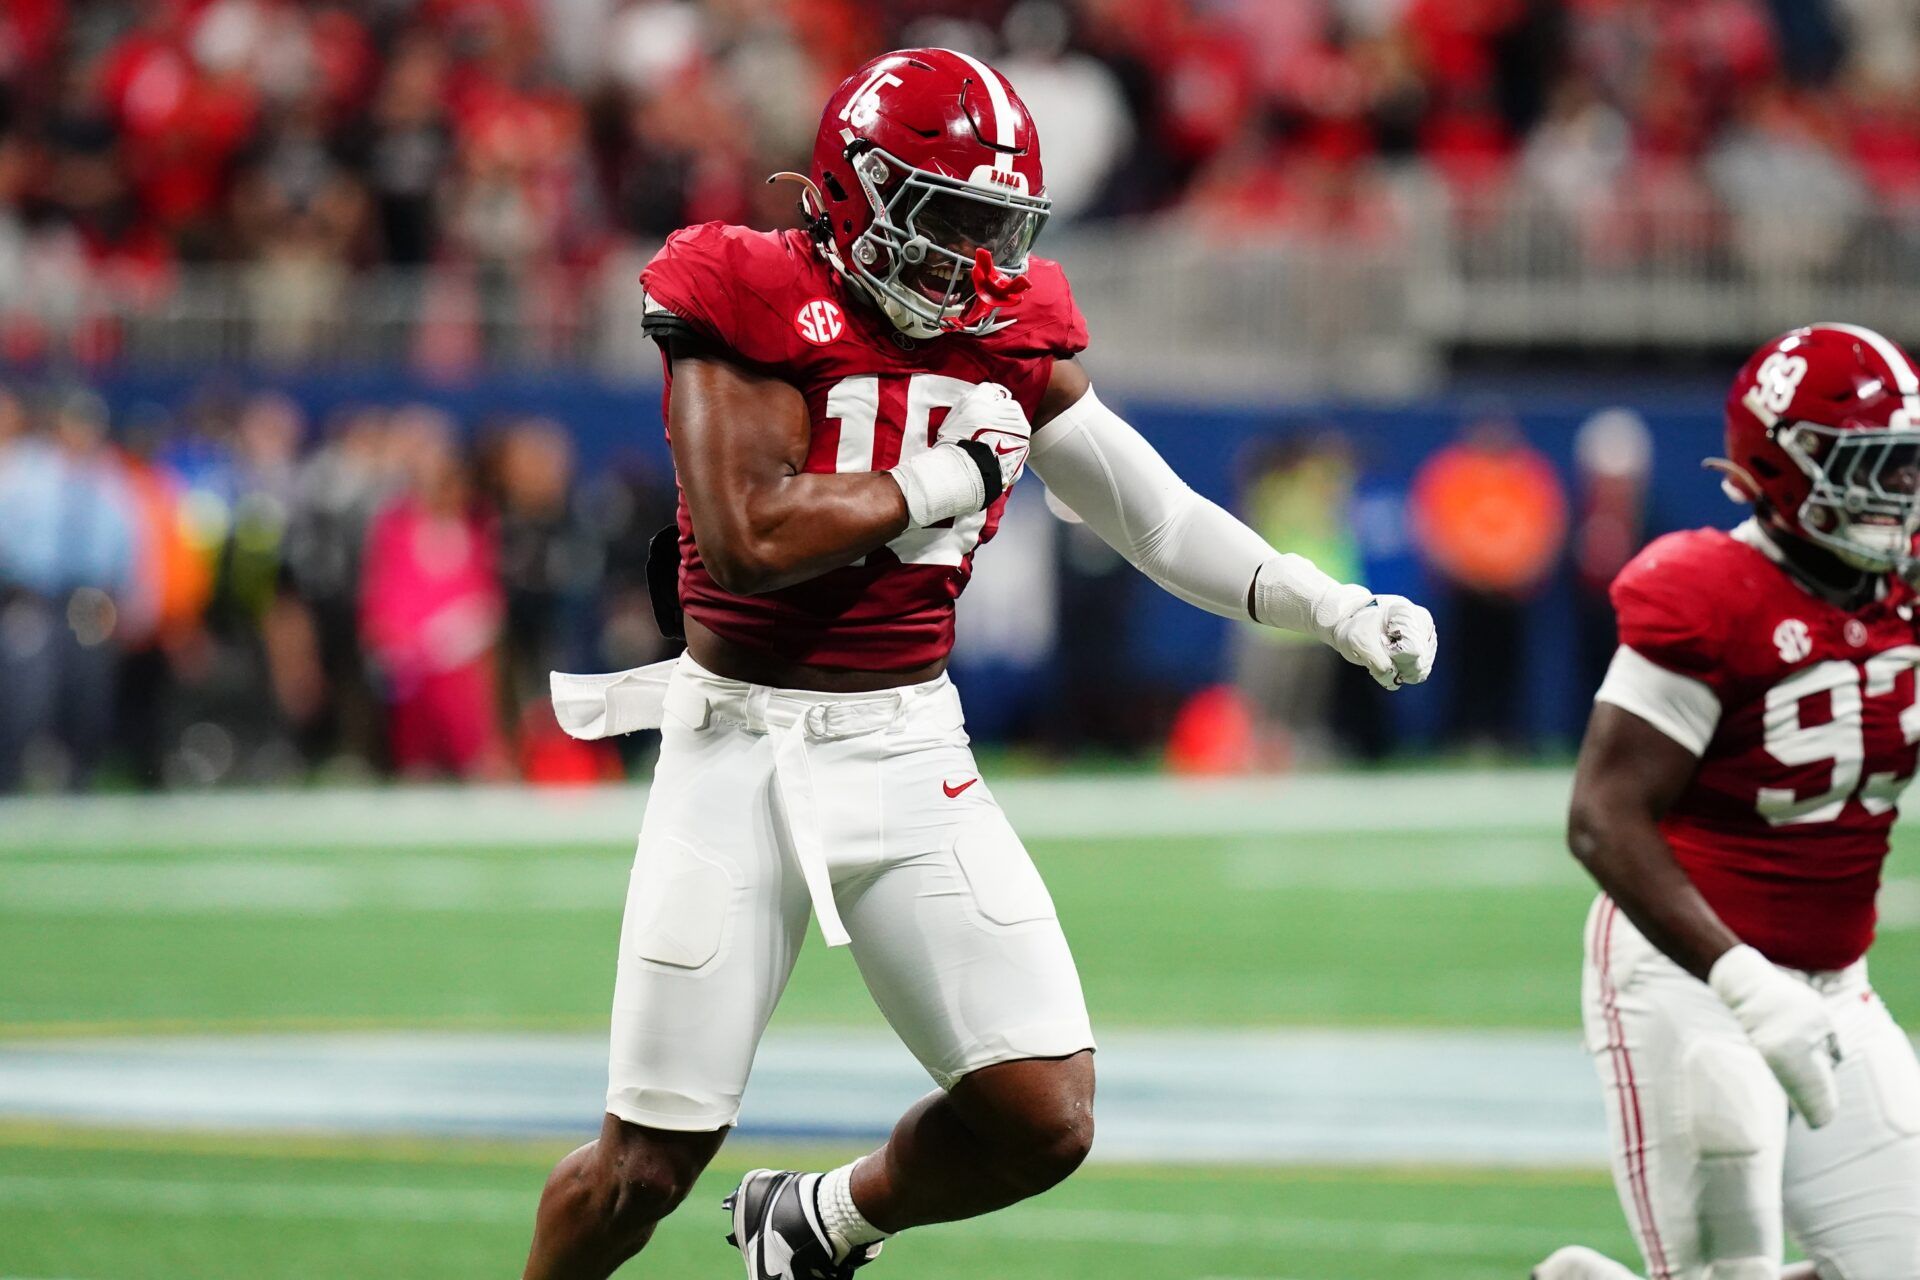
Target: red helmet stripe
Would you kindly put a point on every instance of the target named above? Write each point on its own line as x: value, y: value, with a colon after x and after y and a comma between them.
x: 1905, y: 378
x: 1004, y: 118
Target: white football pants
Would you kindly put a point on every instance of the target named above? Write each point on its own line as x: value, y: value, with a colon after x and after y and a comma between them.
x: 866, y: 809
x: 1711, y: 1168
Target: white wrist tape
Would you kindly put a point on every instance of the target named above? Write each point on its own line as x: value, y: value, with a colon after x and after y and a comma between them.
x: 939, y: 484
x: 1291, y: 592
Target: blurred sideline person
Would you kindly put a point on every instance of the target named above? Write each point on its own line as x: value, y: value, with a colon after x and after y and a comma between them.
x: 1492, y: 516
x: 430, y: 611
x: 1300, y: 497
x: 1733, y: 798
x: 1613, y: 458
x: 848, y: 406
x: 68, y: 552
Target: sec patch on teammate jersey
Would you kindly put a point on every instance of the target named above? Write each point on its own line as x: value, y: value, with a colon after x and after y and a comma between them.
x: 819, y: 321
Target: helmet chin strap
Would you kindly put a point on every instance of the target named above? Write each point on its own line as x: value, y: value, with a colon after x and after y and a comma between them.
x: 1826, y: 573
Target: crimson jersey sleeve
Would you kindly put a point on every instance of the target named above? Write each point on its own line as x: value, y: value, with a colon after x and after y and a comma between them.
x: 688, y: 288
x: 730, y: 285
x: 1667, y: 611
x: 739, y: 288
x: 1048, y: 322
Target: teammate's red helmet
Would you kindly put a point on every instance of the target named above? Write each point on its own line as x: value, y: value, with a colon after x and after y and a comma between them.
x: 924, y: 158
x: 1823, y: 434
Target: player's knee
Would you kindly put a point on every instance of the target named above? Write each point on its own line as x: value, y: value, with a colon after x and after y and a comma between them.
x: 1745, y: 1269
x: 635, y: 1183
x: 1052, y: 1141
x: 1049, y: 1154
x: 1733, y: 1101
x: 640, y: 1195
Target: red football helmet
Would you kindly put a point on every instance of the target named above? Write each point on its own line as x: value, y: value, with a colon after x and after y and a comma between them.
x: 926, y: 189
x: 1823, y: 437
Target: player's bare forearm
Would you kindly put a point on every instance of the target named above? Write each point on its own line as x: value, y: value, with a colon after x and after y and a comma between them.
x: 803, y: 525
x: 739, y: 442
x: 1628, y: 775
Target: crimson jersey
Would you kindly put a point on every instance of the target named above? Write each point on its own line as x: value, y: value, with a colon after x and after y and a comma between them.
x: 1784, y: 825
x: 875, y: 396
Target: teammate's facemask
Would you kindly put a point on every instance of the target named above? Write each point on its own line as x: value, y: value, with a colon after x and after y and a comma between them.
x: 918, y: 257
x: 1865, y: 502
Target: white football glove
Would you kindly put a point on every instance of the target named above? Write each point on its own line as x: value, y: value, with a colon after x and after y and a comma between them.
x: 1788, y: 1023
x: 991, y: 415
x: 1391, y: 636
x: 978, y: 452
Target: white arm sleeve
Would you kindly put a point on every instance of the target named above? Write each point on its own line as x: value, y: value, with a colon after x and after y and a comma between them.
x: 1116, y: 482
x: 1678, y: 706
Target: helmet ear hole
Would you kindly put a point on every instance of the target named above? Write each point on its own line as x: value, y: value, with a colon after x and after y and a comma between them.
x: 834, y: 189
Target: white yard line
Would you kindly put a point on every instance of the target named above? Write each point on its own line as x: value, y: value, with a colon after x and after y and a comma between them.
x: 1047, y: 808
x: 436, y: 881
x: 1196, y: 1096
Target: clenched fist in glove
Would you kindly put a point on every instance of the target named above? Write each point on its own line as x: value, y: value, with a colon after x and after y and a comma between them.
x: 1789, y: 1024
x: 1391, y: 636
x: 978, y: 452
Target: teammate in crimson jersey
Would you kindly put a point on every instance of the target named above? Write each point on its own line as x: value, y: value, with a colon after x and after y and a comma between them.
x: 1733, y: 798
x: 848, y: 406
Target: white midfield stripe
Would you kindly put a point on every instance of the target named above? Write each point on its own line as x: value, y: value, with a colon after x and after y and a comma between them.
x: 1003, y: 115
x: 1904, y: 375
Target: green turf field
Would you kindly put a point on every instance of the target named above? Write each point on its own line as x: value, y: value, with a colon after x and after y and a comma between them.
x: 1443, y: 928
x: 226, y: 1210
x: 1456, y: 925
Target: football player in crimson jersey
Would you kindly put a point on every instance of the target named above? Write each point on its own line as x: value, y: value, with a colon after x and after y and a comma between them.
x: 1733, y: 799
x: 848, y: 405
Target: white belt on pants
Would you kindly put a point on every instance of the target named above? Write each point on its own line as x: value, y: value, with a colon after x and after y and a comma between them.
x: 599, y: 706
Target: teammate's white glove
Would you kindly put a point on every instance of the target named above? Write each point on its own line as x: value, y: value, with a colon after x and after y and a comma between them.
x: 1391, y: 636
x: 978, y: 453
x: 1788, y: 1023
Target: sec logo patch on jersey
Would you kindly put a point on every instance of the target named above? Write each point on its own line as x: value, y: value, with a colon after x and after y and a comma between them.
x: 1793, y: 640
x: 819, y: 321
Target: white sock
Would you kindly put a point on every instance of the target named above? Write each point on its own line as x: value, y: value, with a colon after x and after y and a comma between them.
x: 846, y: 1228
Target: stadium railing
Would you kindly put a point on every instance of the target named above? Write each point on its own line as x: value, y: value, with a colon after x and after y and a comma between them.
x: 1217, y: 312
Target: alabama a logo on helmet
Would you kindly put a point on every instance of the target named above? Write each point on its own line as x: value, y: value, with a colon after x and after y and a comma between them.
x: 863, y: 108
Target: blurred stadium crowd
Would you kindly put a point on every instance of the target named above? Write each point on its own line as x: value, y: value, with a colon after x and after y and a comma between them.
x: 226, y: 589
x: 231, y: 589
x: 530, y: 138
x: 229, y: 598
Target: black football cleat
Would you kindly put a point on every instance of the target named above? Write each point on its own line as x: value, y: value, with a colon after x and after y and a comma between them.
x: 778, y: 1230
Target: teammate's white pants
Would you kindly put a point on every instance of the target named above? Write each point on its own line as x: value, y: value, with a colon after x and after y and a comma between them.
x: 1710, y: 1167
x: 868, y: 808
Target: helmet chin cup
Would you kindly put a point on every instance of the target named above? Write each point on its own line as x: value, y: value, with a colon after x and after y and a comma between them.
x: 1875, y: 548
